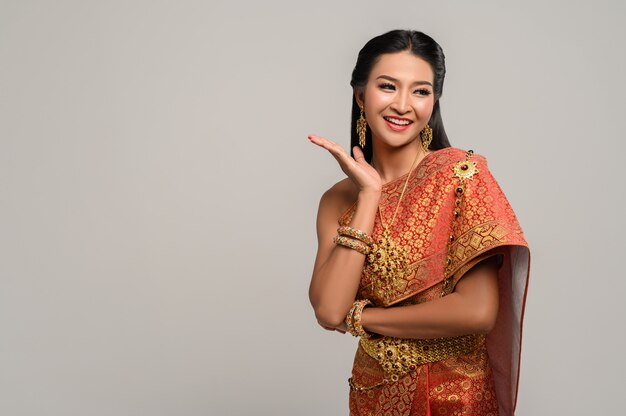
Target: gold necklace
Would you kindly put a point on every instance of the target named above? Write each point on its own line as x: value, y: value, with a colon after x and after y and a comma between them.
x: 388, y: 260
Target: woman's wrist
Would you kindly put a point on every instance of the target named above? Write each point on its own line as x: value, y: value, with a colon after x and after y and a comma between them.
x: 368, y: 201
x: 366, y: 318
x: 369, y: 195
x: 369, y: 319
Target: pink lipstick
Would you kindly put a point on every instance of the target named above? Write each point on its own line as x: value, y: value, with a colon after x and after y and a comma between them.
x: 397, y: 127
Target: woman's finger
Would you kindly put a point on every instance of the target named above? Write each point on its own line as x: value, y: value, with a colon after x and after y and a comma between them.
x: 356, y: 168
x: 325, y: 143
x: 336, y: 150
x: 358, y: 154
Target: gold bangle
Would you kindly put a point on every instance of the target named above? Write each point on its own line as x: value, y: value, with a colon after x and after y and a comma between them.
x: 352, y: 243
x: 349, y: 319
x: 358, y: 234
x: 353, y: 319
x: 356, y: 318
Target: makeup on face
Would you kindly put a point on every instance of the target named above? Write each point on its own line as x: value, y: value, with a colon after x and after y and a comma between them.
x: 399, y: 97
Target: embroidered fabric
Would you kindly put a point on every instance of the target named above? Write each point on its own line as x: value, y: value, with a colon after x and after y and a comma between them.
x: 486, y: 225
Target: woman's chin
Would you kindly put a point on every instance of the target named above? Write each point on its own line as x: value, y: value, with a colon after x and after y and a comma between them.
x: 396, y: 142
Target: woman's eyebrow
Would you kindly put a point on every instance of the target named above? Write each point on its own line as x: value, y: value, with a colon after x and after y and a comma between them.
x: 395, y: 80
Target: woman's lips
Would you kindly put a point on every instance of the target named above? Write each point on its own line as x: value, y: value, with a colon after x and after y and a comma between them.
x: 396, y: 127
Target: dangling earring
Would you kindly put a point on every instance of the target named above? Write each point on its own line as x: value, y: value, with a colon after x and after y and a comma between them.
x: 361, y: 127
x: 426, y: 137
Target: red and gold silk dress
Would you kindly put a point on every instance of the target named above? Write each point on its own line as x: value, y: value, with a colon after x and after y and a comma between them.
x: 484, y: 381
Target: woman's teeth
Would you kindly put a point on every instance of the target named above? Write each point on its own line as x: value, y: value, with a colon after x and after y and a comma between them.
x: 398, y: 122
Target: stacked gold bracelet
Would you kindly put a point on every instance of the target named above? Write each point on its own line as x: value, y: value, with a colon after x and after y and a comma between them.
x: 354, y: 233
x: 360, y: 241
x: 352, y: 243
x: 353, y: 318
x: 354, y: 239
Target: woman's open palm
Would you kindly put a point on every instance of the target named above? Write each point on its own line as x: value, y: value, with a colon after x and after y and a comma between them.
x: 364, y: 176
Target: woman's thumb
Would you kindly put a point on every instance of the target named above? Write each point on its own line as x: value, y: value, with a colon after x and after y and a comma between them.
x: 358, y: 154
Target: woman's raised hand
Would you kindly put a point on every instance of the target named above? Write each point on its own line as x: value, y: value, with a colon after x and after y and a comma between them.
x: 364, y: 176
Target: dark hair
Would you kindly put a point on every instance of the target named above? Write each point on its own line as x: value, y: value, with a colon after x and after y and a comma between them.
x: 420, y: 45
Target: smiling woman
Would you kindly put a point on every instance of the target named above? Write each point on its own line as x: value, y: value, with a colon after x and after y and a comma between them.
x: 400, y: 103
x: 419, y: 252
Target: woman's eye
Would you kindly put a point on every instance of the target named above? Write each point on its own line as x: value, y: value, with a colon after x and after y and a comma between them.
x: 423, y: 91
x: 386, y: 86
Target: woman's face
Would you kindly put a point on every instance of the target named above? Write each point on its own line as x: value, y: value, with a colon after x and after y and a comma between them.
x: 398, y: 98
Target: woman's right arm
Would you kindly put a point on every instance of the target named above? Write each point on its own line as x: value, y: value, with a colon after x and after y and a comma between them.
x: 337, y: 270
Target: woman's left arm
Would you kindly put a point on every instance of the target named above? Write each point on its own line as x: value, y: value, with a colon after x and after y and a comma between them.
x: 471, y: 308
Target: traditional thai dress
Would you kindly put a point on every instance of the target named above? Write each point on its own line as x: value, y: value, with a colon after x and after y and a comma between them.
x: 452, y: 216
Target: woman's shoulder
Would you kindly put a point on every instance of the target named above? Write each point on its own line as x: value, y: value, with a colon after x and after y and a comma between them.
x: 455, y: 155
x: 339, y: 197
x: 457, y: 152
x: 342, y: 189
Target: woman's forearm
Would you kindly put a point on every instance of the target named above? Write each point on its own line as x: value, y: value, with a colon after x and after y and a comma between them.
x: 472, y: 308
x: 334, y: 286
x: 445, y: 317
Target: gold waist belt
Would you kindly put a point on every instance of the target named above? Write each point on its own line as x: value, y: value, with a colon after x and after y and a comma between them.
x: 400, y: 356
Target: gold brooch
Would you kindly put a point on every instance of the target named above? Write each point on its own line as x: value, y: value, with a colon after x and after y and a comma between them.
x: 465, y: 169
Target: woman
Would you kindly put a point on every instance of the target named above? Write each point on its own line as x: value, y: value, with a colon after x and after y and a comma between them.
x: 420, y: 254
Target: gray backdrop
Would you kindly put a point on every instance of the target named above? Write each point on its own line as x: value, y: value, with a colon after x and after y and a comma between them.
x: 158, y: 195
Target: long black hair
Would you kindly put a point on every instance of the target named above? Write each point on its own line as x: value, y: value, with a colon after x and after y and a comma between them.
x: 422, y: 46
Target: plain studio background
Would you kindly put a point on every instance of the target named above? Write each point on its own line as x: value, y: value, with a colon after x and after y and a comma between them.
x: 158, y: 195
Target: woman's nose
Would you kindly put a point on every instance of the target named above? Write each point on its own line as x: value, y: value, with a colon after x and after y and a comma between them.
x: 401, y: 103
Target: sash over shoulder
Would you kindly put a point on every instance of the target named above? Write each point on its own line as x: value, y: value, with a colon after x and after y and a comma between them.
x: 486, y: 225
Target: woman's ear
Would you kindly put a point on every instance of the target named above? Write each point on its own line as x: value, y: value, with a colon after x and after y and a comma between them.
x: 358, y: 95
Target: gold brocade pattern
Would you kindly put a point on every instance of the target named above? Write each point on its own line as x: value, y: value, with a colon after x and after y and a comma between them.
x: 398, y: 356
x: 423, y: 222
x: 460, y: 385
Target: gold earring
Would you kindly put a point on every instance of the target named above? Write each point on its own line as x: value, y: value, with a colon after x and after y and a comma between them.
x: 361, y: 127
x: 426, y: 137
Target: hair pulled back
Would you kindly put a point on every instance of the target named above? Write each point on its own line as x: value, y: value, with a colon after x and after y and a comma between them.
x: 422, y: 46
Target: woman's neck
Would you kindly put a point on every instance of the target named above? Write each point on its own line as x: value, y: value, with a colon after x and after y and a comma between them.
x: 392, y: 163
